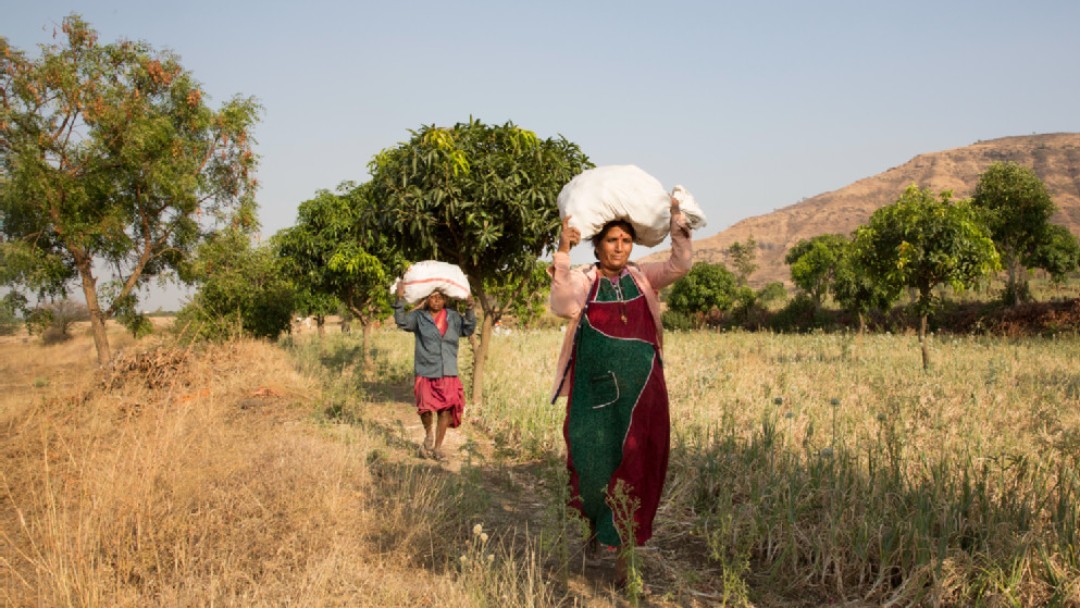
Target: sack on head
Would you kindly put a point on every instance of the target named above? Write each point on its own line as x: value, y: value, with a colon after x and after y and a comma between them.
x: 422, y: 278
x: 625, y: 192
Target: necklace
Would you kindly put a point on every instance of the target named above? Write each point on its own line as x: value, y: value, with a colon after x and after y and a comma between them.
x: 617, y: 286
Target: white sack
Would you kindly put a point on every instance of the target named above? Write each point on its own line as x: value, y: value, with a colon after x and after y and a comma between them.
x: 624, y: 192
x: 422, y: 278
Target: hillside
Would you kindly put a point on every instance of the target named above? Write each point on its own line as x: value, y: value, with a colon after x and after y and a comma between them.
x: 1054, y: 157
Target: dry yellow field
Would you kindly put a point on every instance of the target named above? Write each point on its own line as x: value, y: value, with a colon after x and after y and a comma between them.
x: 806, y: 471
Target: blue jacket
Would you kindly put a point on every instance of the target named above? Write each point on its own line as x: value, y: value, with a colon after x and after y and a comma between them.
x: 435, y: 355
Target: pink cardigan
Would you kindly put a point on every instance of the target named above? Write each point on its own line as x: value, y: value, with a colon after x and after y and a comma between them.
x: 570, y: 287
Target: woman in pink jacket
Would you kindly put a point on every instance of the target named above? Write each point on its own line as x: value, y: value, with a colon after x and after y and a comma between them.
x: 611, y: 369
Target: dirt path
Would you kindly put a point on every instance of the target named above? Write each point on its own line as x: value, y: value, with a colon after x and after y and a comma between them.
x: 520, y: 503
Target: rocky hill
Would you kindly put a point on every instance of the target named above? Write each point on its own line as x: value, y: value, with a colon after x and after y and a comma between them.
x: 1054, y: 157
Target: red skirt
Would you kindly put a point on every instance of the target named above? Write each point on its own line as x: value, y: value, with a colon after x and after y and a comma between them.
x: 438, y: 394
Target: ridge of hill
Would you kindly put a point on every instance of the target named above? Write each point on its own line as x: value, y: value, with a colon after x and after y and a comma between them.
x: 1054, y: 157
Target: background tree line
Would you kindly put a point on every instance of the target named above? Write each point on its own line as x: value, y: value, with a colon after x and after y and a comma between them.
x: 112, y: 164
x: 918, y: 245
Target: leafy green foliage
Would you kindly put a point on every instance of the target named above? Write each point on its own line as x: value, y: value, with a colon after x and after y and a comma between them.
x: 678, y: 321
x: 855, y: 289
x: 1058, y: 254
x: 526, y: 295
x: 128, y: 315
x: 242, y: 291
x: 815, y: 263
x: 920, y: 242
x: 771, y: 293
x: 801, y: 313
x: 1016, y: 206
x: 110, y: 157
x: 706, y: 289
x: 335, y: 253
x: 479, y: 196
x: 12, y: 306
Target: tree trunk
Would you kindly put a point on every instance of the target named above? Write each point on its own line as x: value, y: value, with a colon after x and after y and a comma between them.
x: 365, y: 344
x: 1017, y: 290
x: 479, y: 358
x: 480, y: 352
x: 97, y: 317
x: 923, y: 342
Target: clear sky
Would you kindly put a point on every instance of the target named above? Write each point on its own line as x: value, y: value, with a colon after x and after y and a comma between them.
x: 751, y: 105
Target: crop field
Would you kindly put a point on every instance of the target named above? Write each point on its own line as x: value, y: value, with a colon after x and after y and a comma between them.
x: 809, y: 470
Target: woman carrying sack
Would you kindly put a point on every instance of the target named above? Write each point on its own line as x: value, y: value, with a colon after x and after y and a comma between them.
x: 440, y: 396
x: 617, y: 426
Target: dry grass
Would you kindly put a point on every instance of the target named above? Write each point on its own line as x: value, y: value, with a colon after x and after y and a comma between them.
x: 805, y: 471
x: 216, y: 488
x: 830, y: 468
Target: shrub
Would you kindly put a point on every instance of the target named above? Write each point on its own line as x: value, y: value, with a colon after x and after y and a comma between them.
x: 53, y: 321
x: 800, y: 314
x: 11, y: 305
x: 679, y: 321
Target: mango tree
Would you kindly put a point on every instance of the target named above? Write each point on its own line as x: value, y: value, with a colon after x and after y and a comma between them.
x: 479, y: 196
x: 921, y: 242
x: 111, y: 158
x: 815, y: 263
x: 1058, y: 254
x: 243, y: 290
x: 334, y: 250
x: 707, y: 290
x: 1016, y: 207
x: 855, y: 290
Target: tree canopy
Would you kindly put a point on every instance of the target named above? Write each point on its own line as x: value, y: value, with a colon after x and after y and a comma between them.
x: 479, y: 196
x: 1058, y: 254
x: 921, y: 242
x: 111, y: 158
x: 855, y: 289
x: 705, y: 289
x: 1016, y: 207
x: 336, y: 250
x: 815, y: 263
x: 242, y: 290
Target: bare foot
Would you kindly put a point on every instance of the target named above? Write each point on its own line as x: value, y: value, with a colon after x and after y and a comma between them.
x: 593, y: 553
x: 620, y: 571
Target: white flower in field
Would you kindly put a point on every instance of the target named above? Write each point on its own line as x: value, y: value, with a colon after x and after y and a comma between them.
x: 464, y: 559
x: 483, y: 537
x: 491, y: 557
x: 477, y: 530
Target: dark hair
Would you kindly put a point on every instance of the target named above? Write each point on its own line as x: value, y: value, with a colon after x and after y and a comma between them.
x: 599, y: 236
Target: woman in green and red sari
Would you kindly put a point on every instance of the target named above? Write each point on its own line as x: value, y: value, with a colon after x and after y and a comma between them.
x: 611, y: 369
